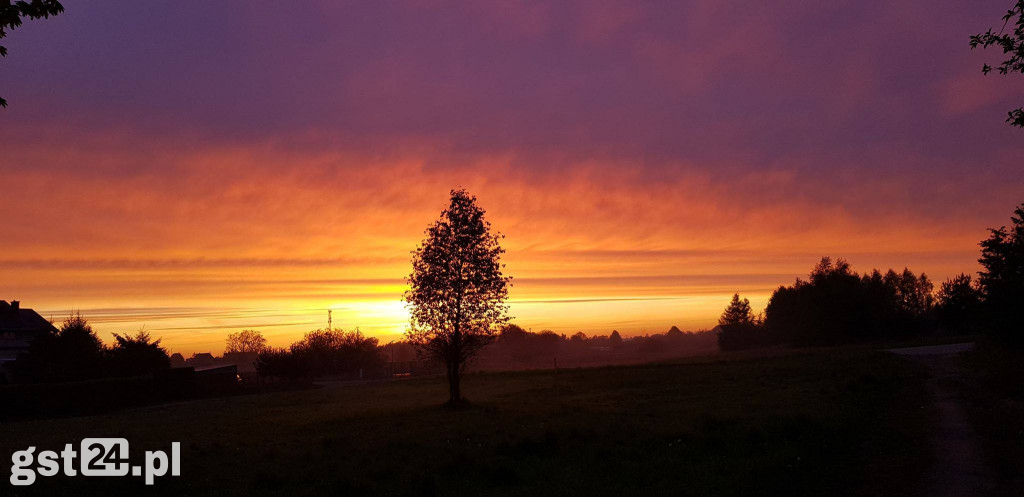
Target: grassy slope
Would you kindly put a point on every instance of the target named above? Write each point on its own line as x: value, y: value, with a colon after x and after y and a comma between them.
x: 827, y: 423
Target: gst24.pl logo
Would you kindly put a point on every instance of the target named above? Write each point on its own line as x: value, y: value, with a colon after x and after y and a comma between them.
x: 99, y: 457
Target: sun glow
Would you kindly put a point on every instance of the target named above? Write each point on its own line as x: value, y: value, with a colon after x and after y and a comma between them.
x: 630, y: 200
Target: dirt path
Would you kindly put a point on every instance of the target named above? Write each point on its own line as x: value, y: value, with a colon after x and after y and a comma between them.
x: 959, y: 468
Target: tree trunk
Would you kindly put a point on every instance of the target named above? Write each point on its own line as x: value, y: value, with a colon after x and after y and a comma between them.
x: 454, y: 397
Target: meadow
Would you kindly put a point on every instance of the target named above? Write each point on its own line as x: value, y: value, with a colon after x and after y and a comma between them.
x: 828, y: 422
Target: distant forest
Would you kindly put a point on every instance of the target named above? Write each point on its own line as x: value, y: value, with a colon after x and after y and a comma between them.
x: 836, y: 305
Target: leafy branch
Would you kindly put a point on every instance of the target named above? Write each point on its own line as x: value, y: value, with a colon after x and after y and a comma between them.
x: 11, y: 14
x: 1012, y: 44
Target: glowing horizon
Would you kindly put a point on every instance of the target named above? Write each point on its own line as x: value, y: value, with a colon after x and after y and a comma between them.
x: 644, y: 162
x: 565, y: 279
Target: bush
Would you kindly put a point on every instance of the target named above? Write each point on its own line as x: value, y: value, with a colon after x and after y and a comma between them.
x: 279, y: 363
x: 322, y: 353
x: 741, y: 336
x: 136, y: 355
x: 72, y: 353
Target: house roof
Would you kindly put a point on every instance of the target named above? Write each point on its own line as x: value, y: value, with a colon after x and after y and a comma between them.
x: 14, y: 318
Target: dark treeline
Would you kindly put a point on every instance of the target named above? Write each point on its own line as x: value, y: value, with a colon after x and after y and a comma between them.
x: 836, y: 305
x: 336, y: 353
x: 73, y: 352
x: 323, y: 353
x: 69, y: 371
x: 515, y: 348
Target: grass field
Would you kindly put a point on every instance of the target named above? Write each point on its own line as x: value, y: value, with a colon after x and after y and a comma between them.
x: 843, y: 422
x: 994, y: 390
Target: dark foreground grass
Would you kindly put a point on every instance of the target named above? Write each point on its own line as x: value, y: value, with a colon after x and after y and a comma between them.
x: 826, y: 423
x: 994, y: 390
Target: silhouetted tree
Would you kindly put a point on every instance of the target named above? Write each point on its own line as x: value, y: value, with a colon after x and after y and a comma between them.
x: 512, y: 332
x: 457, y: 290
x: 74, y: 352
x: 11, y: 14
x: 521, y: 345
x: 836, y: 305
x: 548, y: 342
x: 279, y: 363
x: 321, y: 353
x: 245, y: 342
x: 906, y: 303
x: 136, y: 355
x: 1012, y: 44
x: 737, y: 312
x: 615, y: 339
x: 958, y: 304
x: 737, y: 328
x: 1002, y: 278
x: 324, y: 352
x: 913, y: 293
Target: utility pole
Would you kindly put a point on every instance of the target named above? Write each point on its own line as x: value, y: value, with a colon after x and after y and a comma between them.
x: 329, y: 320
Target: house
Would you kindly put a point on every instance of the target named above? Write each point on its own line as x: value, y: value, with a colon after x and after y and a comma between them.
x: 201, y: 360
x: 18, y: 327
x: 246, y: 361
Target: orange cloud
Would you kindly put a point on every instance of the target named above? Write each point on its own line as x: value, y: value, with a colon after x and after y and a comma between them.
x: 278, y: 236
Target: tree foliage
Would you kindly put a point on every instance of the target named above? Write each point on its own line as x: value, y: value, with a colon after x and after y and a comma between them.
x: 1002, y: 278
x: 457, y: 289
x: 73, y: 352
x: 136, y: 355
x: 836, y: 305
x: 1012, y: 44
x: 958, y: 304
x: 738, y: 328
x: 13, y: 12
x: 245, y: 342
x: 321, y: 353
x: 738, y: 312
x: 521, y: 345
x: 327, y: 352
x: 279, y: 363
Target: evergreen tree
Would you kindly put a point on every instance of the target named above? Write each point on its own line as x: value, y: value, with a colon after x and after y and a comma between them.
x: 738, y: 312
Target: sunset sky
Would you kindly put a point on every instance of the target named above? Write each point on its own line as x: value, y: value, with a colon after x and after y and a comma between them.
x: 202, y: 167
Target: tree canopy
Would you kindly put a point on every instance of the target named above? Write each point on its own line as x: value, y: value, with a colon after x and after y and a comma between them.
x: 738, y: 328
x: 957, y: 304
x: 136, y: 355
x: 837, y: 305
x: 457, y: 290
x: 245, y: 341
x: 73, y: 352
x: 738, y: 312
x: 1002, y: 277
